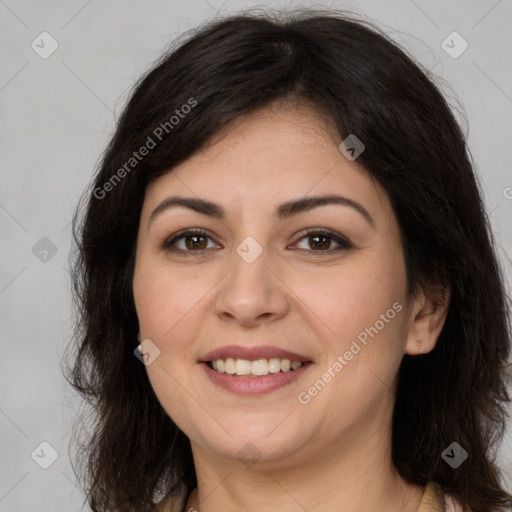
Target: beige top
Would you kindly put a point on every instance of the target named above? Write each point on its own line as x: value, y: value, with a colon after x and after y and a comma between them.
x: 434, y: 500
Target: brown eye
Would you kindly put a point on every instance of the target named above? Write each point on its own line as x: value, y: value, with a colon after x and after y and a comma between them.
x: 195, y: 242
x: 321, y: 241
x: 189, y: 241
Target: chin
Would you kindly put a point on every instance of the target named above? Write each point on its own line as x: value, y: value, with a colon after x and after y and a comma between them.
x: 250, y: 441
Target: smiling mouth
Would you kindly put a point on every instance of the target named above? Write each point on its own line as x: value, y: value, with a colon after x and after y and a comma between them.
x: 255, y: 368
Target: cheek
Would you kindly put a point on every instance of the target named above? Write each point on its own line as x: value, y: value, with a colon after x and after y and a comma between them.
x: 166, y: 298
x: 169, y: 309
x: 359, y: 311
x: 360, y: 316
x: 354, y: 296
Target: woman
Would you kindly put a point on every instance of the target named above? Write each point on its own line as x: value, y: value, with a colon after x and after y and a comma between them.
x: 288, y: 291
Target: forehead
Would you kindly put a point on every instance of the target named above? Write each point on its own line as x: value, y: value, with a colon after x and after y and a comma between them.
x: 280, y: 152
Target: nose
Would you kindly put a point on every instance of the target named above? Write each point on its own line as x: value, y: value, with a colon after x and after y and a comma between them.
x: 252, y: 293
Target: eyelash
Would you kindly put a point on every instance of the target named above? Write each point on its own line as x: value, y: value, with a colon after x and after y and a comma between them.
x: 167, y: 244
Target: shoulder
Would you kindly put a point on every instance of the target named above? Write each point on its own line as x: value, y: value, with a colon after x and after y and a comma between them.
x: 436, y: 500
x: 166, y: 506
x: 451, y: 504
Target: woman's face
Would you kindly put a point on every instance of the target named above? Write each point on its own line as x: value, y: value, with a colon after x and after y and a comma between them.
x: 264, y: 286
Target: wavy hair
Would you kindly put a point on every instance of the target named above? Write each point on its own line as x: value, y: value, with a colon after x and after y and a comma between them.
x: 132, y: 455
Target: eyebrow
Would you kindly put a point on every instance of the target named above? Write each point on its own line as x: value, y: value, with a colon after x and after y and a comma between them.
x: 283, y: 211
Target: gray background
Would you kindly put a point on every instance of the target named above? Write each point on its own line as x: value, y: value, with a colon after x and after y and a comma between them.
x: 56, y: 117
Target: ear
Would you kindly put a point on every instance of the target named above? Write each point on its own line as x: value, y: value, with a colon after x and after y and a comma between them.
x: 428, y: 315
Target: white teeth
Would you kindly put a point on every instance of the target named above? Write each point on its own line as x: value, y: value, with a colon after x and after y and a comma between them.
x: 243, y: 367
x: 230, y: 365
x: 258, y: 367
x: 274, y: 365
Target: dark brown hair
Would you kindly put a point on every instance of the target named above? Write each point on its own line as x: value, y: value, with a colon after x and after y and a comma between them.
x: 359, y: 79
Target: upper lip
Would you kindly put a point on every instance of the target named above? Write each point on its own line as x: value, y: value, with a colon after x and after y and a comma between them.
x: 251, y: 353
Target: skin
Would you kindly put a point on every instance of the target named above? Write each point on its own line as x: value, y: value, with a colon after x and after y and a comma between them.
x: 333, y: 453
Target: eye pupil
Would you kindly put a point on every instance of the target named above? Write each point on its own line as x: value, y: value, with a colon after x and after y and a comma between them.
x: 194, y: 244
x: 324, y: 245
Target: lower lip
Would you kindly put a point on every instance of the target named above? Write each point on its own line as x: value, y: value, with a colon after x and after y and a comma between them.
x: 254, y: 385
